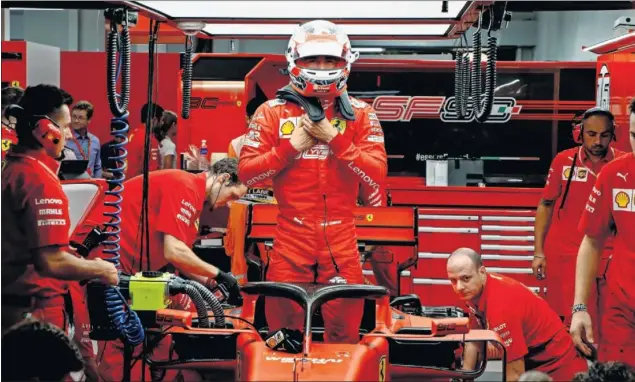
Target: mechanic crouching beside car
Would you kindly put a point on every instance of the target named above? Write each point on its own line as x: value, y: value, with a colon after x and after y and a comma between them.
x: 36, y: 257
x: 175, y: 202
x: 534, y: 336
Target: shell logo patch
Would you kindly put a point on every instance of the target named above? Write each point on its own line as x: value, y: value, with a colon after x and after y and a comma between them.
x: 369, y: 217
x: 339, y: 124
x: 623, y: 200
x: 287, y: 128
x: 579, y: 174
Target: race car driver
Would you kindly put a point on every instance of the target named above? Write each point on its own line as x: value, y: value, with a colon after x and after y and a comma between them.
x: 35, y: 237
x: 316, y: 168
x: 609, y: 209
x: 570, y: 181
x: 177, y: 199
x: 533, y: 335
x: 10, y: 96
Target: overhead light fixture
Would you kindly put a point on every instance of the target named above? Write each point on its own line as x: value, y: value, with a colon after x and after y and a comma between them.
x: 190, y: 28
x: 368, y: 50
x: 350, y: 29
x: 310, y: 10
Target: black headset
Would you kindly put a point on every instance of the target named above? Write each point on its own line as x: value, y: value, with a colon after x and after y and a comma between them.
x: 578, y: 129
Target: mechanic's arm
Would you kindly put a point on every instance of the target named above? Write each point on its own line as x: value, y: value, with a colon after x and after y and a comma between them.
x: 586, y: 267
x: 544, y: 213
x: 261, y: 158
x: 471, y: 355
x: 181, y: 256
x: 542, y: 224
x: 515, y: 369
x: 595, y: 223
x: 366, y: 154
x: 56, y: 263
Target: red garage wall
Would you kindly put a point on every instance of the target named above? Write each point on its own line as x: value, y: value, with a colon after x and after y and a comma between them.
x: 83, y: 75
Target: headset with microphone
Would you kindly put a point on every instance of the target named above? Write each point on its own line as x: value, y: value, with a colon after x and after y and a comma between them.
x: 578, y: 128
x: 45, y: 131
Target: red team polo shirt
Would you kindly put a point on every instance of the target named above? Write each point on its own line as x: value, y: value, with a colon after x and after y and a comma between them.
x: 34, y: 216
x: 136, y: 148
x: 613, y: 201
x: 175, y: 202
x: 563, y: 238
x: 529, y: 328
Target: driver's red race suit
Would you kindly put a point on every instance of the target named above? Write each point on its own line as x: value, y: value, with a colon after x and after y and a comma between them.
x: 316, y: 192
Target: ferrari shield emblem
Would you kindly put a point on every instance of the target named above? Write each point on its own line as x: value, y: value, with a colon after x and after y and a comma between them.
x: 369, y: 217
x: 6, y: 144
x: 382, y: 369
x: 339, y: 124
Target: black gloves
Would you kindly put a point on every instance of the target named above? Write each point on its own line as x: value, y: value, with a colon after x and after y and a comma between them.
x: 229, y: 282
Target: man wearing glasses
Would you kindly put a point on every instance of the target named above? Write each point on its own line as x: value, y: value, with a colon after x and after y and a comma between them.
x: 85, y: 145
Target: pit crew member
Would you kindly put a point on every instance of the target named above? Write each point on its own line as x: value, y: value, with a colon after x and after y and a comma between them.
x: 10, y: 96
x: 534, y: 336
x: 609, y: 209
x: 176, y: 200
x: 316, y: 169
x: 136, y: 145
x: 571, y: 177
x: 36, y: 258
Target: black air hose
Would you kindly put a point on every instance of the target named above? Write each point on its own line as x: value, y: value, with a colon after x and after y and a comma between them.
x: 187, y: 78
x: 212, y: 302
x: 118, y: 107
x: 190, y: 290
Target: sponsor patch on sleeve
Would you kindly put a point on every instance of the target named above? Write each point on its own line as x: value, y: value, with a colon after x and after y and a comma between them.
x: 376, y: 138
x: 287, y: 125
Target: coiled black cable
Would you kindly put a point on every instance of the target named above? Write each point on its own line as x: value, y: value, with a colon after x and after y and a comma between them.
x: 490, y: 81
x: 465, y: 89
x: 476, y: 71
x: 458, y: 83
x: 118, y: 102
x: 187, y: 78
x: 483, y: 108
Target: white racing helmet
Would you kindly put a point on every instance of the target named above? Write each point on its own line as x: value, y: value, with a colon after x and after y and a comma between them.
x: 319, y: 38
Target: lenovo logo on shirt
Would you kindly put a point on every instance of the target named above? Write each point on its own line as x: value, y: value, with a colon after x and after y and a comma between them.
x: 47, y: 201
